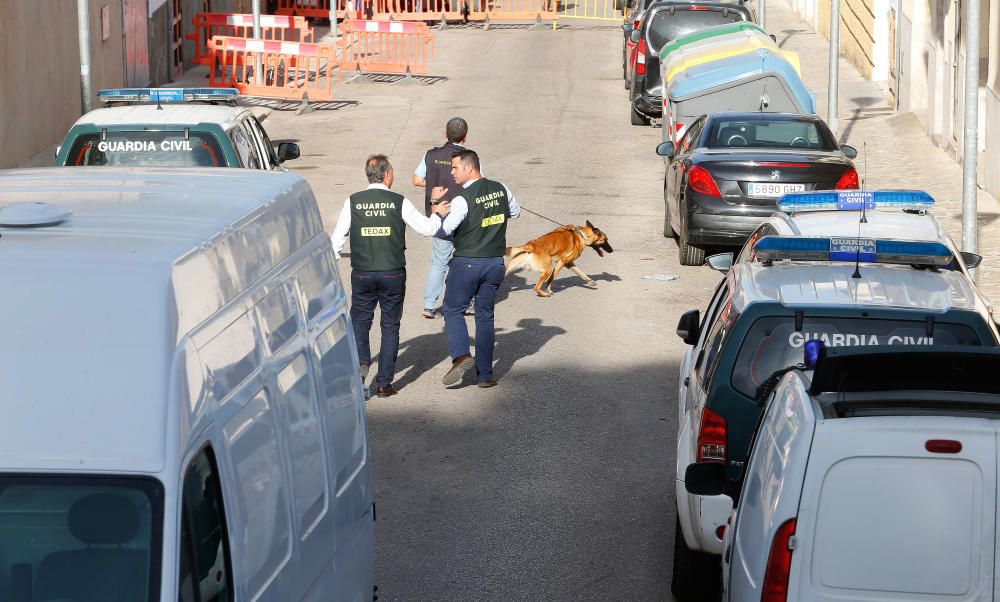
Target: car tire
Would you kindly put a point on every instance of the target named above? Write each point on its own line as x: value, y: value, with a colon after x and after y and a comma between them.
x: 696, y: 576
x: 637, y: 117
x: 688, y: 253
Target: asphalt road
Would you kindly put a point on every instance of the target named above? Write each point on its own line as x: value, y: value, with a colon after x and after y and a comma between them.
x: 557, y: 484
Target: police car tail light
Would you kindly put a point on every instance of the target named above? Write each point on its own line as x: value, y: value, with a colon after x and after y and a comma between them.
x: 712, y: 437
x: 779, y: 564
x: 702, y: 182
x: 855, y: 200
x: 849, y: 180
x: 640, y: 58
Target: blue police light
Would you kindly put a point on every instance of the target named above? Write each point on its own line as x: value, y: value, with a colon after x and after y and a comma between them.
x: 867, y: 250
x: 855, y: 200
x: 168, y: 94
x: 810, y: 352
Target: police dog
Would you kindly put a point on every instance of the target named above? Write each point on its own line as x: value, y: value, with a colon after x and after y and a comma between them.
x: 557, y: 250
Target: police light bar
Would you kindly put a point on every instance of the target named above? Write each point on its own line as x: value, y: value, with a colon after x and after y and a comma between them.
x: 855, y: 200
x: 867, y: 250
x: 168, y: 94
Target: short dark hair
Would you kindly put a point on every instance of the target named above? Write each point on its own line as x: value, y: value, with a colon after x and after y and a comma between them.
x: 467, y: 157
x: 456, y: 130
x: 376, y: 167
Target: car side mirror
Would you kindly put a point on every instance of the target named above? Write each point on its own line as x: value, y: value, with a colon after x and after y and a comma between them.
x: 721, y: 262
x: 627, y: 28
x: 287, y: 151
x: 687, y: 327
x: 665, y: 149
x: 971, y: 259
x: 849, y: 151
x: 773, y: 37
x: 56, y: 155
x: 706, y: 478
x: 634, y: 36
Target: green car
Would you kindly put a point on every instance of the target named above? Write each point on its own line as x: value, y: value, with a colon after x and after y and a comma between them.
x: 172, y: 127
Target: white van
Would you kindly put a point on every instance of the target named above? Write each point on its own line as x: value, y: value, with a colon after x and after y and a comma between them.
x: 182, y: 408
x: 872, y: 478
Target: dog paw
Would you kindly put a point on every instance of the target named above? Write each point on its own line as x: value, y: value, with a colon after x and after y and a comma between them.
x: 590, y: 282
x: 544, y: 293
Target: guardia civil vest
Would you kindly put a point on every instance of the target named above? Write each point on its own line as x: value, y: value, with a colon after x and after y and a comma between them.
x: 438, y: 162
x: 483, y: 232
x: 378, y: 233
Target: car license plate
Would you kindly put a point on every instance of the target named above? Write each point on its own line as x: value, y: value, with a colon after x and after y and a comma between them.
x: 770, y: 189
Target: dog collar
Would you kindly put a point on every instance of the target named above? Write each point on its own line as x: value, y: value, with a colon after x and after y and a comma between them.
x: 580, y: 232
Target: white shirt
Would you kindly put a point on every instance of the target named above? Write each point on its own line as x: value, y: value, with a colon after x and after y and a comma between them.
x: 460, y: 208
x: 424, y: 226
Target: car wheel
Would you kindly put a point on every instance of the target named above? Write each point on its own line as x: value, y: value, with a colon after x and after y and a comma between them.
x: 637, y: 117
x: 689, y: 254
x: 696, y: 576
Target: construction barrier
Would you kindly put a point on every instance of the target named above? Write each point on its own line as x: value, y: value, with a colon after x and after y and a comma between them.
x: 289, y: 70
x: 319, y: 9
x: 424, y: 10
x: 385, y: 46
x: 594, y: 10
x: 272, y: 27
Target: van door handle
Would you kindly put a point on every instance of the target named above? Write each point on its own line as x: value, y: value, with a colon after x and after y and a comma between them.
x: 687, y: 380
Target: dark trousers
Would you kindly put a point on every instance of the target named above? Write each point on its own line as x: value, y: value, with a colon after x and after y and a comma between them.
x: 386, y: 289
x: 472, y: 278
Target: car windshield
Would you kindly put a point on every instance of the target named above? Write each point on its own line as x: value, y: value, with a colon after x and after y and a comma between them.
x: 86, y: 539
x: 731, y: 133
x: 773, y: 343
x: 667, y: 27
x: 147, y: 149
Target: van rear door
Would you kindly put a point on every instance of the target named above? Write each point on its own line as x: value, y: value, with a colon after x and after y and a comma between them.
x: 886, y: 514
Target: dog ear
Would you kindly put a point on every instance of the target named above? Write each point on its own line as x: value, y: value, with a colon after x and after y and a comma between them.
x: 589, y: 225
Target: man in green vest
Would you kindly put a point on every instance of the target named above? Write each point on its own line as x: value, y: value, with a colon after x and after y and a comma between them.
x: 476, y: 220
x: 375, y: 220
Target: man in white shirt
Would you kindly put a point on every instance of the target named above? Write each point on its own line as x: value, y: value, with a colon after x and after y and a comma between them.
x: 375, y: 221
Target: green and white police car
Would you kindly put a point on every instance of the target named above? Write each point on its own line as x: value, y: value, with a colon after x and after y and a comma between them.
x: 172, y: 127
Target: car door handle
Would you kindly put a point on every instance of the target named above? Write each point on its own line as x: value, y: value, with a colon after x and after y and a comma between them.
x: 687, y: 380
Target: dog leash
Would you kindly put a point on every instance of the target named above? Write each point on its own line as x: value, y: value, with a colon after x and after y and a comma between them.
x: 541, y: 216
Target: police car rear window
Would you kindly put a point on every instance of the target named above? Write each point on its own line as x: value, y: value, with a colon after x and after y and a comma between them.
x: 667, y: 27
x: 773, y: 343
x: 147, y: 149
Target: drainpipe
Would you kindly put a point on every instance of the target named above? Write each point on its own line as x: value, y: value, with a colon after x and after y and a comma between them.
x: 83, y: 31
x: 834, y: 70
x: 762, y: 12
x: 261, y: 78
x: 970, y: 123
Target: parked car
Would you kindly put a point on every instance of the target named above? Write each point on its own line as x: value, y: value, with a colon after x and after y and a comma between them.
x: 633, y: 18
x: 872, y: 476
x: 757, y: 323
x: 661, y: 23
x: 183, y: 413
x: 727, y: 171
x: 172, y: 127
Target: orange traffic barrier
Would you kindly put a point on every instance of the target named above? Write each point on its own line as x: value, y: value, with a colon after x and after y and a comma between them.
x: 385, y: 46
x: 272, y: 27
x: 289, y: 70
x: 308, y: 8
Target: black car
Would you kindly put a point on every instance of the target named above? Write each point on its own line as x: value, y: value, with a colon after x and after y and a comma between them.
x: 725, y: 175
x: 662, y: 23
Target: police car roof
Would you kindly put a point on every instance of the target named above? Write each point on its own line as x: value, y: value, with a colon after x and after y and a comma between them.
x: 896, y: 224
x: 95, y: 306
x: 807, y: 283
x: 169, y: 114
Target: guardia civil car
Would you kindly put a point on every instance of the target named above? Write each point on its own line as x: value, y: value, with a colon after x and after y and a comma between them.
x: 862, y: 293
x: 172, y: 127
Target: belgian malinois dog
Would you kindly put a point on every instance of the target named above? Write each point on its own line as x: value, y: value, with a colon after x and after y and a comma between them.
x: 558, y: 249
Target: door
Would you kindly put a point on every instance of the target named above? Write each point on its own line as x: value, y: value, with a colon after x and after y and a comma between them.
x: 136, y: 43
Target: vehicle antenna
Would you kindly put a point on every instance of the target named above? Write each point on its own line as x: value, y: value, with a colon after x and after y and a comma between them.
x: 857, y: 249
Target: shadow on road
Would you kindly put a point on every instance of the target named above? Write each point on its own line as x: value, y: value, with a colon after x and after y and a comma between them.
x: 525, y: 281
x: 556, y: 485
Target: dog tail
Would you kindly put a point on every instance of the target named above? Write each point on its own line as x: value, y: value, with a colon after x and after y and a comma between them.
x: 517, y: 257
x: 512, y: 252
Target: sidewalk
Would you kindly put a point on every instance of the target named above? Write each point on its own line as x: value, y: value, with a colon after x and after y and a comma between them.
x: 900, y: 155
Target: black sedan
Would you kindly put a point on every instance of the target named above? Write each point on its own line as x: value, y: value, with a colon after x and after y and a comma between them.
x: 725, y: 175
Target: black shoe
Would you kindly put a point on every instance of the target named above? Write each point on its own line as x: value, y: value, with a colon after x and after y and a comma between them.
x: 364, y: 371
x: 486, y: 384
x: 384, y: 391
x: 458, y: 368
